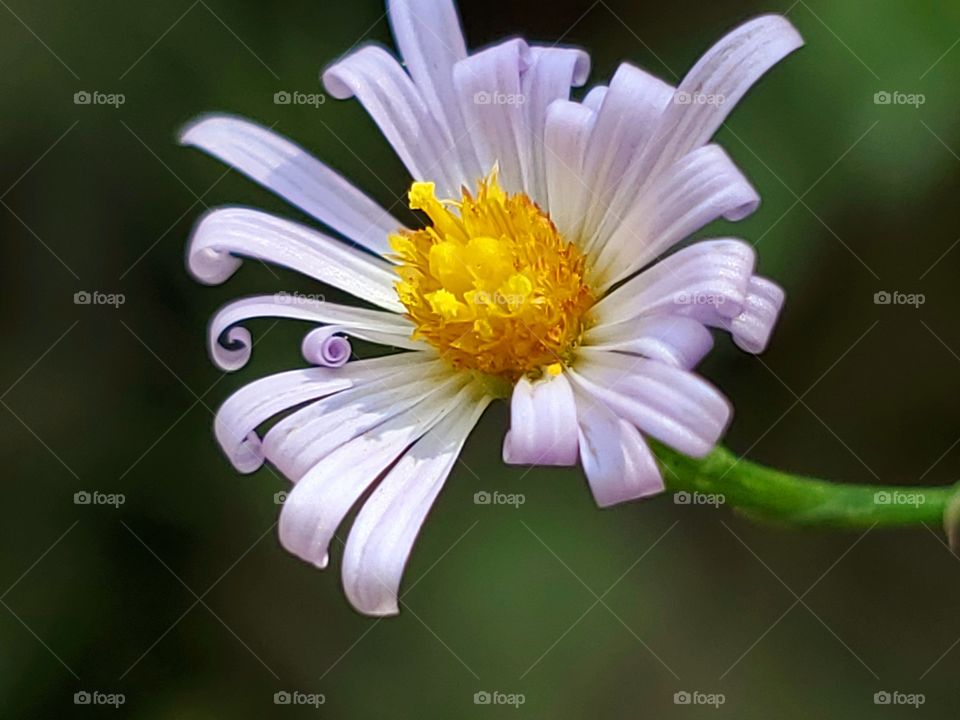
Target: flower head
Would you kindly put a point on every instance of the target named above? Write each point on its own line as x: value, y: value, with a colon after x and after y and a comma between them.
x: 540, y: 274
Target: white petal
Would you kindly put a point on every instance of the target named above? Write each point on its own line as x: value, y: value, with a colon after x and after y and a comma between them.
x: 318, y: 503
x: 491, y: 99
x: 672, y: 339
x: 373, y: 325
x: 723, y: 74
x: 594, y: 99
x: 543, y: 423
x: 751, y: 329
x: 701, y: 280
x: 625, y: 123
x: 431, y: 41
x: 552, y: 72
x: 222, y: 234
x: 257, y: 402
x: 568, y: 127
x: 617, y: 462
x: 700, y: 188
x: 295, y: 175
x: 301, y: 440
x: 388, y: 94
x: 672, y: 405
x: 387, y: 526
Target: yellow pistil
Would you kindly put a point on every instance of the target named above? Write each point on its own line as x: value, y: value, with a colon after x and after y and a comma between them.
x: 491, y: 283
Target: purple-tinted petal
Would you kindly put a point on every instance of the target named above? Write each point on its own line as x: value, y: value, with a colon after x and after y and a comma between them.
x: 295, y: 175
x: 223, y: 234
x: 373, y: 325
x: 706, y: 279
x: 543, y: 423
x: 387, y: 525
x: 317, y: 504
x: 491, y: 100
x: 700, y: 188
x: 388, y: 94
x: 617, y: 462
x: 672, y: 339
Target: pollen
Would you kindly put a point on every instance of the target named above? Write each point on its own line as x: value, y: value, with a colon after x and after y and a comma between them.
x: 491, y: 283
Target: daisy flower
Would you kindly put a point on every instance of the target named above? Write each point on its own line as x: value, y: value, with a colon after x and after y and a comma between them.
x: 538, y: 276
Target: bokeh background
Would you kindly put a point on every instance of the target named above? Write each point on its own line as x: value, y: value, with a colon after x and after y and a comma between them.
x: 182, y: 600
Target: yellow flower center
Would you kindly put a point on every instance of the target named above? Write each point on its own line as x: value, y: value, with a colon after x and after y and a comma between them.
x: 492, y: 284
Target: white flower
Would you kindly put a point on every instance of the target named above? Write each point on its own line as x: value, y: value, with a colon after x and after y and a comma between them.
x: 535, y: 279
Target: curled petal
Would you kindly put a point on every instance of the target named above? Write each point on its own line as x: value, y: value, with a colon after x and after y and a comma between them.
x: 752, y: 328
x: 552, y: 72
x: 543, y: 423
x: 246, y: 409
x: 223, y: 234
x: 373, y: 325
x: 323, y: 347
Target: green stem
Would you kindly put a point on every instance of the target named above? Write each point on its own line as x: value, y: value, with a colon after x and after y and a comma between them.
x: 769, y: 495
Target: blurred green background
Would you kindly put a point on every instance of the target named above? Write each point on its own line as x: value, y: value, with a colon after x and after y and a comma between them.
x: 182, y: 599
